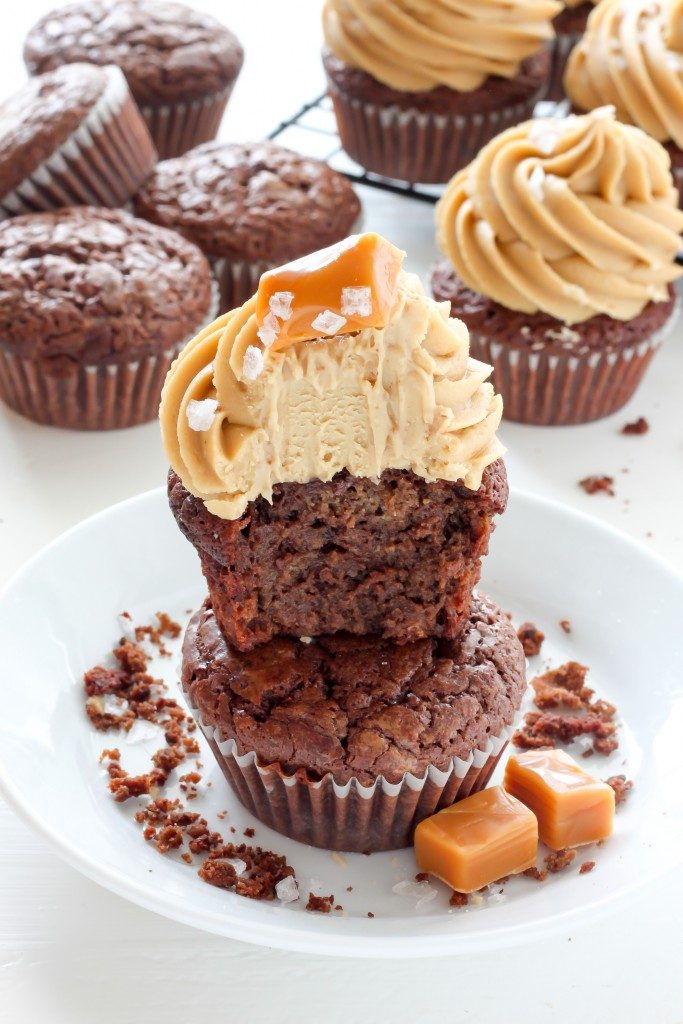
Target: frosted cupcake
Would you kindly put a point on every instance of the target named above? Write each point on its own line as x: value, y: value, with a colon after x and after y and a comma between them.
x: 419, y: 89
x: 632, y: 57
x: 560, y: 241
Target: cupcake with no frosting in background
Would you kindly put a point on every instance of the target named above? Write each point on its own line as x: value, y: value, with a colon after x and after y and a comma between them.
x: 72, y: 136
x: 249, y: 206
x: 181, y: 65
x: 569, y: 25
x: 631, y: 56
x: 418, y: 89
x: 560, y: 242
x: 335, y: 465
x: 94, y: 306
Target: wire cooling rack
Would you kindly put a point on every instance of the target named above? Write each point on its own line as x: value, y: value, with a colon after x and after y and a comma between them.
x: 312, y: 131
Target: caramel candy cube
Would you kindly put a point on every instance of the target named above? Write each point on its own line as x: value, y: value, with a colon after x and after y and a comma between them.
x: 478, y: 840
x: 572, y: 807
x: 338, y: 290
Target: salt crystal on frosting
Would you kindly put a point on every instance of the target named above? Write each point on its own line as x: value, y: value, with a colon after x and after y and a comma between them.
x: 328, y: 322
x: 280, y: 304
x: 286, y: 889
x: 200, y: 415
x: 537, y: 183
x: 356, y: 301
x: 484, y: 230
x: 253, y: 363
x: 269, y: 329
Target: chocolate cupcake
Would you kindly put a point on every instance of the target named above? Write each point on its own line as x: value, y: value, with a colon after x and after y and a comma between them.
x: 631, y: 57
x: 347, y: 743
x: 569, y: 25
x: 249, y: 207
x: 181, y: 65
x: 72, y: 136
x: 94, y: 307
x: 346, y: 481
x: 418, y: 93
x: 560, y: 241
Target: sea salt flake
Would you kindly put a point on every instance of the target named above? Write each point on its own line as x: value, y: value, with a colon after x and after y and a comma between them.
x: 356, y: 301
x: 200, y: 414
x: 537, y: 183
x: 113, y: 705
x: 422, y: 892
x: 485, y: 231
x: 239, y: 865
x: 544, y: 137
x: 328, y: 322
x: 269, y: 329
x: 253, y: 363
x: 127, y: 628
x: 287, y: 890
x: 280, y: 304
x: 141, y: 731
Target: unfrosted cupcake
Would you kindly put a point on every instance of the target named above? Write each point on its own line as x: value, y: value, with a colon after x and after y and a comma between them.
x: 181, y: 65
x: 72, y: 136
x: 569, y: 25
x: 631, y: 56
x: 560, y: 241
x: 249, y: 206
x: 94, y: 306
x: 418, y: 90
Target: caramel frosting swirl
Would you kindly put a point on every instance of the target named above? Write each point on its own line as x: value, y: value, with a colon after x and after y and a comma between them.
x: 632, y: 57
x: 416, y: 45
x: 403, y: 397
x: 572, y: 217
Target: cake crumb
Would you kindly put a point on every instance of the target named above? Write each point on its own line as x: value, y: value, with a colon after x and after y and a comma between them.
x: 421, y: 876
x: 319, y: 904
x: 531, y: 639
x: 598, y: 484
x: 639, y: 426
x: 458, y: 899
x: 370, y: 913
x: 565, y: 625
x: 536, y: 874
x: 250, y: 832
x: 621, y: 786
x: 349, y: 888
x: 587, y: 866
x: 558, y: 860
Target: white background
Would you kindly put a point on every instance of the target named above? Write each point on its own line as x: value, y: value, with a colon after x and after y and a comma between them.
x: 71, y: 952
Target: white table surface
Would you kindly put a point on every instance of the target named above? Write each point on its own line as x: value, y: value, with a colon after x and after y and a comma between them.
x: 72, y: 952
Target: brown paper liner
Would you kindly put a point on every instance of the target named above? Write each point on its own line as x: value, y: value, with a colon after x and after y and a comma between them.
x: 177, y: 127
x: 560, y: 48
x: 415, y: 146
x: 548, y: 388
x: 678, y: 182
x: 350, y: 817
x: 237, y: 280
x: 104, y: 163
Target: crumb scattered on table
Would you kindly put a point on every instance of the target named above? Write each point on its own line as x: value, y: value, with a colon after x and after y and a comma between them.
x: 531, y: 639
x: 599, y: 484
x: 639, y: 426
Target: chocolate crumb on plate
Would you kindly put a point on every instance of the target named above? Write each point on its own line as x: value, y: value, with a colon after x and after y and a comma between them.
x: 319, y: 904
x: 621, y: 786
x: 370, y: 913
x: 639, y: 426
x: 565, y: 625
x: 558, y: 860
x: 458, y: 899
x: 598, y: 484
x: 536, y: 874
x: 531, y: 639
x: 250, y: 832
x: 421, y: 876
x: 587, y: 866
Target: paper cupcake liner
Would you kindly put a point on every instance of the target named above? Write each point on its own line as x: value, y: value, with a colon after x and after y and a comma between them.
x: 551, y: 389
x: 678, y: 182
x: 89, y: 396
x: 177, y: 127
x: 352, y: 817
x: 415, y: 146
x: 103, y: 163
x: 560, y: 48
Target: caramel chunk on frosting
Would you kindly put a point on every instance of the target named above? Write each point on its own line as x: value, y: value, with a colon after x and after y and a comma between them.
x: 415, y: 47
x: 478, y: 840
x: 239, y: 416
x: 571, y: 806
x: 632, y: 57
x: 338, y: 290
x: 573, y: 217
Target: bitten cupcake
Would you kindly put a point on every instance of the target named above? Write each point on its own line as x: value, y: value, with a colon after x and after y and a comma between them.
x: 569, y: 25
x: 181, y: 65
x: 418, y: 90
x: 632, y: 57
x: 72, y: 136
x: 94, y: 306
x: 249, y: 206
x: 348, y: 742
x: 560, y: 241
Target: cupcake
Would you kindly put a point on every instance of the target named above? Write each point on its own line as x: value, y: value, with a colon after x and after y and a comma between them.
x: 632, y: 57
x: 569, y: 25
x: 343, y: 482
x: 180, y: 65
x: 347, y: 743
x: 94, y: 306
x: 249, y: 207
x: 417, y: 91
x: 560, y: 241
x: 72, y: 136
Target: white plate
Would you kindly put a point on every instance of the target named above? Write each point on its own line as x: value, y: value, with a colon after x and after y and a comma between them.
x: 58, y: 617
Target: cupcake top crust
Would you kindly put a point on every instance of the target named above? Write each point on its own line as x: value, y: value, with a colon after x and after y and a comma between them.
x: 240, y: 413
x: 45, y: 112
x: 254, y: 201
x: 166, y: 50
x: 455, y: 43
x: 572, y: 217
x: 90, y: 285
x: 632, y: 57
x: 358, y: 706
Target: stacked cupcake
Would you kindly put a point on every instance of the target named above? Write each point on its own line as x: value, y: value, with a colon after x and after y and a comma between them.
x: 335, y: 464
